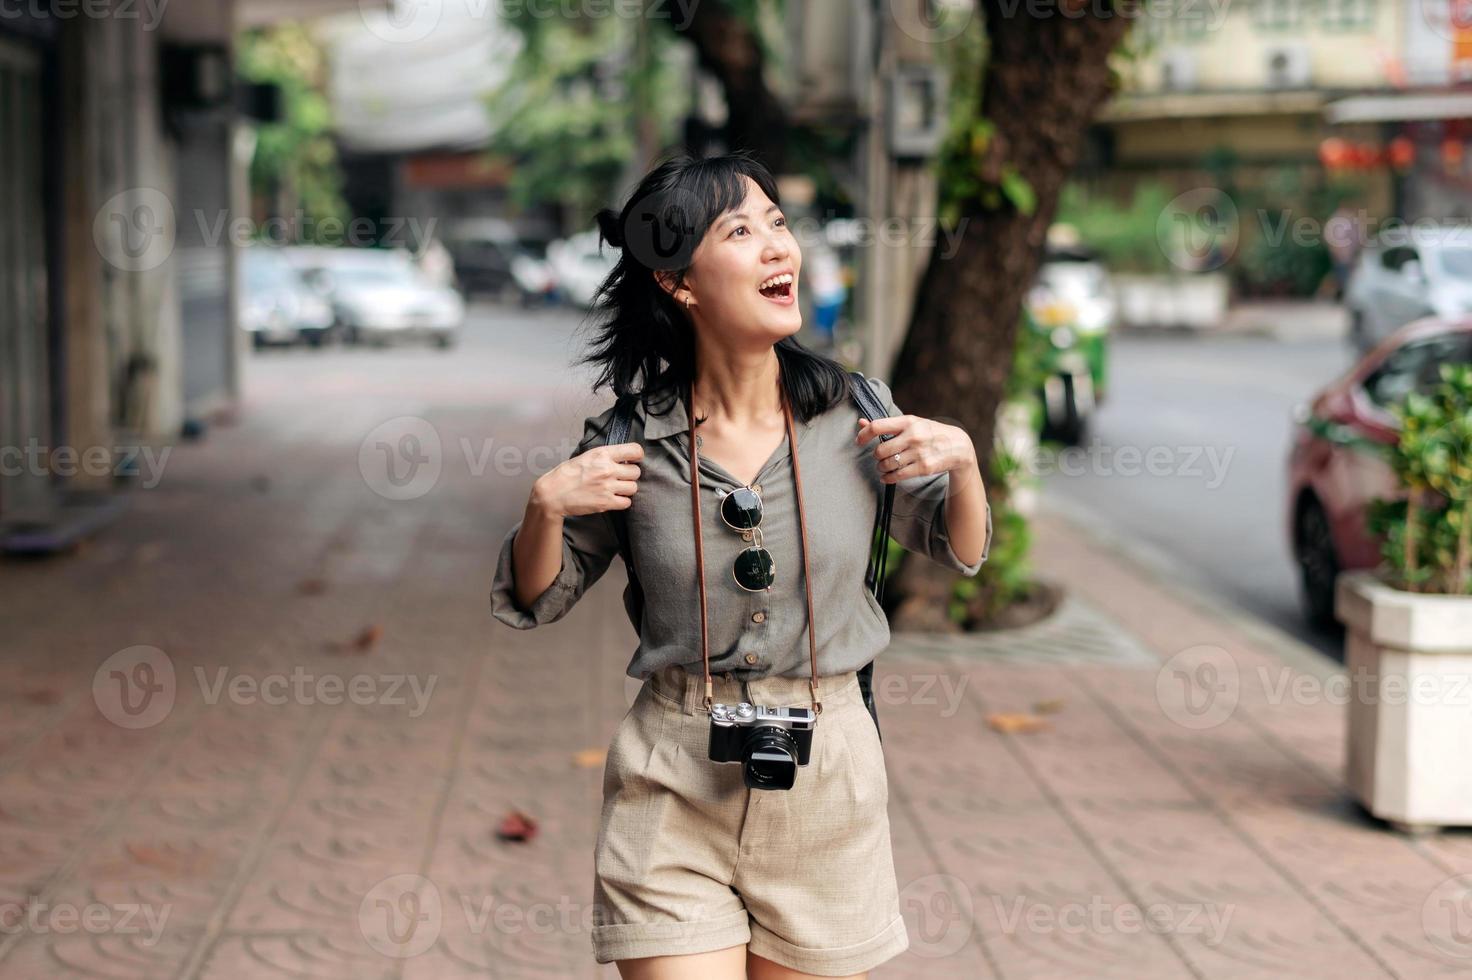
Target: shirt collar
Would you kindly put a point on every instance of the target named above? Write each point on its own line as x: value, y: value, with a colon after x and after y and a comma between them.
x: 676, y: 422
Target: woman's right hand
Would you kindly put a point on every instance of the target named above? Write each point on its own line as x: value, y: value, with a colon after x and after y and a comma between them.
x: 599, y: 479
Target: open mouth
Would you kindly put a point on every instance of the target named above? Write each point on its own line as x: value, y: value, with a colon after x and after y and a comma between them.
x: 778, y: 288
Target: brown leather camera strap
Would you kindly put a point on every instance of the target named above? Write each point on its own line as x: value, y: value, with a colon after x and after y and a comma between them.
x: 700, y: 552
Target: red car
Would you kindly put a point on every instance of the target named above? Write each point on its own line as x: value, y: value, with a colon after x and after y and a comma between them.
x: 1338, y: 465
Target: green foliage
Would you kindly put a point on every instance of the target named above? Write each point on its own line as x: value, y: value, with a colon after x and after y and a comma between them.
x: 1282, y: 251
x: 295, y: 163
x: 1019, y: 191
x: 1031, y: 360
x: 967, y: 134
x: 569, y: 111
x: 1005, y: 577
x: 1289, y: 267
x: 1126, y: 235
x: 1428, y: 535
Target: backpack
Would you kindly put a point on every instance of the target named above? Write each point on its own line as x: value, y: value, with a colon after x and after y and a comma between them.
x: 870, y: 408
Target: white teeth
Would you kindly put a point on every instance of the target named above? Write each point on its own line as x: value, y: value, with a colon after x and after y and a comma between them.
x: 783, y: 279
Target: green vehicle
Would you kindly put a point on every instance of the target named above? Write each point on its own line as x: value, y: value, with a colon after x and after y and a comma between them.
x: 1072, y: 308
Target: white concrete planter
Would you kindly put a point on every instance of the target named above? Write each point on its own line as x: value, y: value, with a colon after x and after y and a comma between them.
x: 1194, y: 301
x: 1409, y: 661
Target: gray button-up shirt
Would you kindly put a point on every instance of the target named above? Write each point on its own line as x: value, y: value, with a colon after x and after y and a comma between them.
x: 752, y: 634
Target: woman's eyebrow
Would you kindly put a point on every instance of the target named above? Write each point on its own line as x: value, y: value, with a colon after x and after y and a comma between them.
x: 744, y: 216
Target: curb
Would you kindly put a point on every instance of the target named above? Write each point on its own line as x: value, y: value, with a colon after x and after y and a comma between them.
x: 1172, y: 577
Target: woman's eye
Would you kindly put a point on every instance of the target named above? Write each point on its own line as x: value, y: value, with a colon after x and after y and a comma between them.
x: 739, y: 228
x: 782, y: 222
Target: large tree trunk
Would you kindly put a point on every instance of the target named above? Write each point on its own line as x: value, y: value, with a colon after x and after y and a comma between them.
x: 1044, y: 80
x: 726, y: 47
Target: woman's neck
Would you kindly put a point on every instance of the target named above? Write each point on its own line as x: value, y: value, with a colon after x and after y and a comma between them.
x: 738, y: 388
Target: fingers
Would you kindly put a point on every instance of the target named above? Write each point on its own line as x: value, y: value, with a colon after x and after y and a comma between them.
x: 626, y: 471
x: 625, y: 451
x: 908, y: 468
x: 886, y: 451
x: 879, y: 428
x: 624, y: 487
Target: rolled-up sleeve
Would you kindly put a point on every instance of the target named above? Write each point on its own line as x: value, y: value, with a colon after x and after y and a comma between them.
x: 919, y: 519
x: 589, y: 545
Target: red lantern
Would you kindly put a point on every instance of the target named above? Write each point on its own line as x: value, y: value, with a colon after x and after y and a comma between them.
x: 1334, y: 153
x: 1452, y: 152
x: 1402, y: 153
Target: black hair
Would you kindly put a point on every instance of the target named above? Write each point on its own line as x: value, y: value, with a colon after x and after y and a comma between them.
x: 645, y: 343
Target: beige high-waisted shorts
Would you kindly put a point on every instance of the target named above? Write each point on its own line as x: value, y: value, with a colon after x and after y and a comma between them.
x: 689, y: 860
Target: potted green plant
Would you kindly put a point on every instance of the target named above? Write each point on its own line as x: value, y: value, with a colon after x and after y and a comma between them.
x: 1409, y: 624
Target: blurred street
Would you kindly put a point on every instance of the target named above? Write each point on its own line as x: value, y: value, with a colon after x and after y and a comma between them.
x: 1220, y: 407
x: 267, y: 726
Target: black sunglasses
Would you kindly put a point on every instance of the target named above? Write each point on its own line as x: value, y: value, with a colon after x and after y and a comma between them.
x: 741, y: 510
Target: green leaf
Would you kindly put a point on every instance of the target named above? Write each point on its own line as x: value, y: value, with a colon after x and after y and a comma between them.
x: 1019, y: 191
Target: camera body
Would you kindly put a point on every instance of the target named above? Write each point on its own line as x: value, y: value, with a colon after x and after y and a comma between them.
x: 770, y: 743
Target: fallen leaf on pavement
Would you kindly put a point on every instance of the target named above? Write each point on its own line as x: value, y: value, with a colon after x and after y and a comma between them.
x: 1016, y: 724
x: 311, y: 586
x: 366, y: 640
x: 516, y: 826
x: 1051, y: 706
x: 589, y: 758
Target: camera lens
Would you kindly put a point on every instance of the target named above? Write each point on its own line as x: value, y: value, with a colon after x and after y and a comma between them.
x: 769, y: 758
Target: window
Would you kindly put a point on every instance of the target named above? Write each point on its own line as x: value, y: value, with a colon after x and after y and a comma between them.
x: 1349, y: 15
x: 1416, y: 367
x: 1277, y: 15
x: 1396, y: 256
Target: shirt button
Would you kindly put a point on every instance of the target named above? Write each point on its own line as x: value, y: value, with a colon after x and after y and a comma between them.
x: 757, y: 487
x: 758, y: 616
x: 751, y: 658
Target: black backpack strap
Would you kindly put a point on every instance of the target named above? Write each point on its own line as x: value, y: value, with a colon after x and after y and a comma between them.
x: 871, y: 408
x: 618, y: 431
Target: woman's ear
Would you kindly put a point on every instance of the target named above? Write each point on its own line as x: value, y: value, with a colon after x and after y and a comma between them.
x: 666, y: 280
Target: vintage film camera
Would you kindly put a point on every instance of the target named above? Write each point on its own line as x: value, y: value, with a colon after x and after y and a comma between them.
x: 770, y: 743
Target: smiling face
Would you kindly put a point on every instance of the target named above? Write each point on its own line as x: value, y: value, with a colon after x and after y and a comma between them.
x: 743, y: 277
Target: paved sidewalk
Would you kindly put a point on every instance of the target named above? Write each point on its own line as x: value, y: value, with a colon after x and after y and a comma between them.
x: 203, y: 809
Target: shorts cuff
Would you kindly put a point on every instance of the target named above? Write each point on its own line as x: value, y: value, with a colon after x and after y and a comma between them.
x: 631, y: 940
x: 831, y: 961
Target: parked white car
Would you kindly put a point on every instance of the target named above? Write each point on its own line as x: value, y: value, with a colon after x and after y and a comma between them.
x: 579, y: 266
x: 1406, y: 275
x: 379, y: 296
x: 276, y: 305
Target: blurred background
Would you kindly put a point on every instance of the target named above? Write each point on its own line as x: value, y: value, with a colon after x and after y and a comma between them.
x: 289, y: 298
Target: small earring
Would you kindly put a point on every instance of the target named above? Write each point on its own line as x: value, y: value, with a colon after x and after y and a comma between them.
x: 687, y: 301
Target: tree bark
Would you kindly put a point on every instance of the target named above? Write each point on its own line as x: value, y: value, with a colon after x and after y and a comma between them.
x: 1045, y: 79
x: 726, y: 46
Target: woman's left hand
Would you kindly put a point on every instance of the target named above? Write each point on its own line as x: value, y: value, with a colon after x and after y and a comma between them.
x: 920, y: 446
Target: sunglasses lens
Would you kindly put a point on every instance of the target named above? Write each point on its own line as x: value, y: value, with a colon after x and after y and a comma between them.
x: 742, y: 509
x: 754, y: 571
